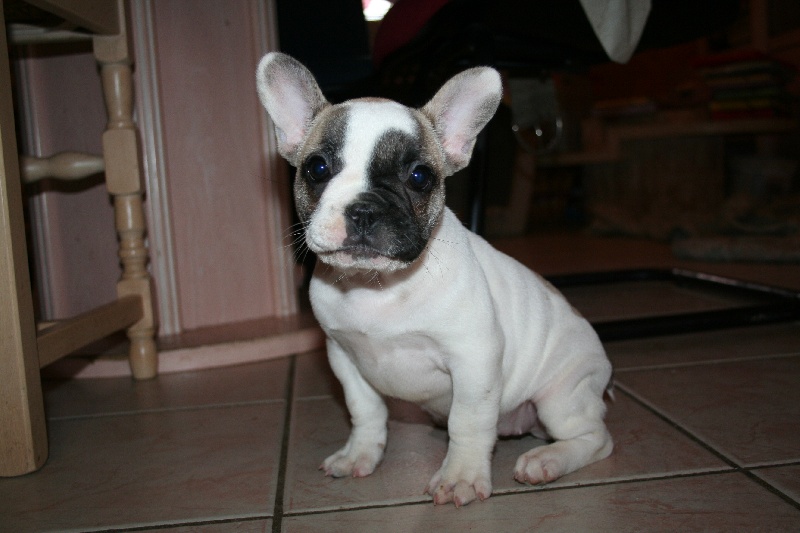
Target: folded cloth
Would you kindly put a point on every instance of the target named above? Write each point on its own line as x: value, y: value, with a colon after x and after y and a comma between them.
x: 618, y: 24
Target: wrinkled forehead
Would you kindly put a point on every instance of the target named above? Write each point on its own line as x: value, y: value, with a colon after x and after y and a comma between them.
x: 375, y: 128
x: 372, y: 117
x: 353, y: 129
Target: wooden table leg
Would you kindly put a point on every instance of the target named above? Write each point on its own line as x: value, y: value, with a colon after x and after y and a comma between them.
x: 23, y: 434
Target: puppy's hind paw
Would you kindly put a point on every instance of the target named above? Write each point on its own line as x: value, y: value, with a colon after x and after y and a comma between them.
x: 535, y: 469
x: 548, y: 463
x: 347, y: 462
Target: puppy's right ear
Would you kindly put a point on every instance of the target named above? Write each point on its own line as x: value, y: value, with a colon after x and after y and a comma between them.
x: 292, y: 98
x: 460, y: 110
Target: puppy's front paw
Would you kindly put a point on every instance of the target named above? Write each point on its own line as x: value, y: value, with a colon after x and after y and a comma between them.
x: 356, y: 461
x: 460, y: 485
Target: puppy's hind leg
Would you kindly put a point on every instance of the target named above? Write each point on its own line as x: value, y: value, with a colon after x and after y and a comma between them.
x: 574, y: 418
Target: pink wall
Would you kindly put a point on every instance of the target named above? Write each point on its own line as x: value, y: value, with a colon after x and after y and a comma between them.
x: 75, y: 243
x: 215, y: 175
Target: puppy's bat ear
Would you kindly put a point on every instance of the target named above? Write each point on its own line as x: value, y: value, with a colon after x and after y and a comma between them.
x: 292, y: 98
x: 461, y: 109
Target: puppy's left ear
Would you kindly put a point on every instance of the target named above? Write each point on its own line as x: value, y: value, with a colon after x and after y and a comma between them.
x: 461, y: 109
x: 292, y: 98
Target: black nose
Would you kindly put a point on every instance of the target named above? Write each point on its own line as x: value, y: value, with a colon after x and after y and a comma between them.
x: 361, y: 217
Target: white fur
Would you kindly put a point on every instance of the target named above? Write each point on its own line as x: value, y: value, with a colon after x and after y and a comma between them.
x: 291, y: 97
x: 455, y: 107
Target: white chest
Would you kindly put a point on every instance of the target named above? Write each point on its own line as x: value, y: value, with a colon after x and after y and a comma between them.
x: 390, y: 341
x: 407, y: 366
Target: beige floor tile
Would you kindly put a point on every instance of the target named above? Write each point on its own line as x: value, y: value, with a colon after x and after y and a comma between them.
x: 722, y: 502
x: 770, y: 340
x: 646, y: 446
x: 320, y: 427
x: 221, y: 386
x: 148, y: 469
x: 784, y: 478
x: 747, y: 410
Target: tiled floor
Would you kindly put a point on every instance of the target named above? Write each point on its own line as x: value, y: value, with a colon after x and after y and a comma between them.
x: 706, y: 426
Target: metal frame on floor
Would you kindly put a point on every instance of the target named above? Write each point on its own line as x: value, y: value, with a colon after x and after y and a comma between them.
x: 765, y: 304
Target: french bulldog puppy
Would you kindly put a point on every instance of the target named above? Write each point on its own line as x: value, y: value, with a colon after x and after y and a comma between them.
x: 414, y: 305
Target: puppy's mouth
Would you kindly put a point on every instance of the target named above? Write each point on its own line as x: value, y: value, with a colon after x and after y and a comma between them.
x: 361, y: 257
x: 361, y: 251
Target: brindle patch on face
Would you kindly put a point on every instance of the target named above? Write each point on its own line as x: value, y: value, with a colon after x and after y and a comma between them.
x: 403, y: 216
x: 326, y: 140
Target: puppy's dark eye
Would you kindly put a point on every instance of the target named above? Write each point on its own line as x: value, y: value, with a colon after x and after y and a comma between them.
x: 317, y: 169
x: 420, y: 179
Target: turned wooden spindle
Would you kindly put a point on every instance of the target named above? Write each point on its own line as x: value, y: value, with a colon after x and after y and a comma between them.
x: 123, y: 179
x: 61, y: 166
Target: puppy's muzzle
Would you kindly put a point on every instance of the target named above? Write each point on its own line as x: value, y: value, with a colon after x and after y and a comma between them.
x: 360, y: 219
x: 377, y: 226
x: 364, y: 235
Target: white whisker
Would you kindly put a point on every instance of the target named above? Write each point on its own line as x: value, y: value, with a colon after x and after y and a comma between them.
x: 438, y: 261
x: 377, y: 278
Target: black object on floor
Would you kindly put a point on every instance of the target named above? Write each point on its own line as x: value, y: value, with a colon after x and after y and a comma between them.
x: 759, y: 304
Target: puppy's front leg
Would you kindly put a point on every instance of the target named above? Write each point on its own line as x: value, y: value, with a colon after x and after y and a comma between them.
x: 472, y: 426
x: 368, y: 414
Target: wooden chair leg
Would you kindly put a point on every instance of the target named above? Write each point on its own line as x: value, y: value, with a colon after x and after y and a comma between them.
x: 136, y: 280
x: 123, y: 179
x: 23, y: 434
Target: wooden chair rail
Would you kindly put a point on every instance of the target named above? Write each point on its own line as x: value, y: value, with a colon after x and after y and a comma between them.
x: 64, y: 337
x: 102, y: 18
x: 61, y: 166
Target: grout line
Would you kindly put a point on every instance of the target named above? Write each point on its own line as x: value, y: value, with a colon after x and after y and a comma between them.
x: 280, y: 485
x: 772, y: 488
x: 631, y: 480
x: 181, y: 524
x: 752, y: 472
x: 363, y: 507
x: 773, y: 464
x: 316, y: 398
x: 689, y: 364
x: 531, y: 489
x: 513, y: 492
x: 677, y: 426
x: 159, y: 410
